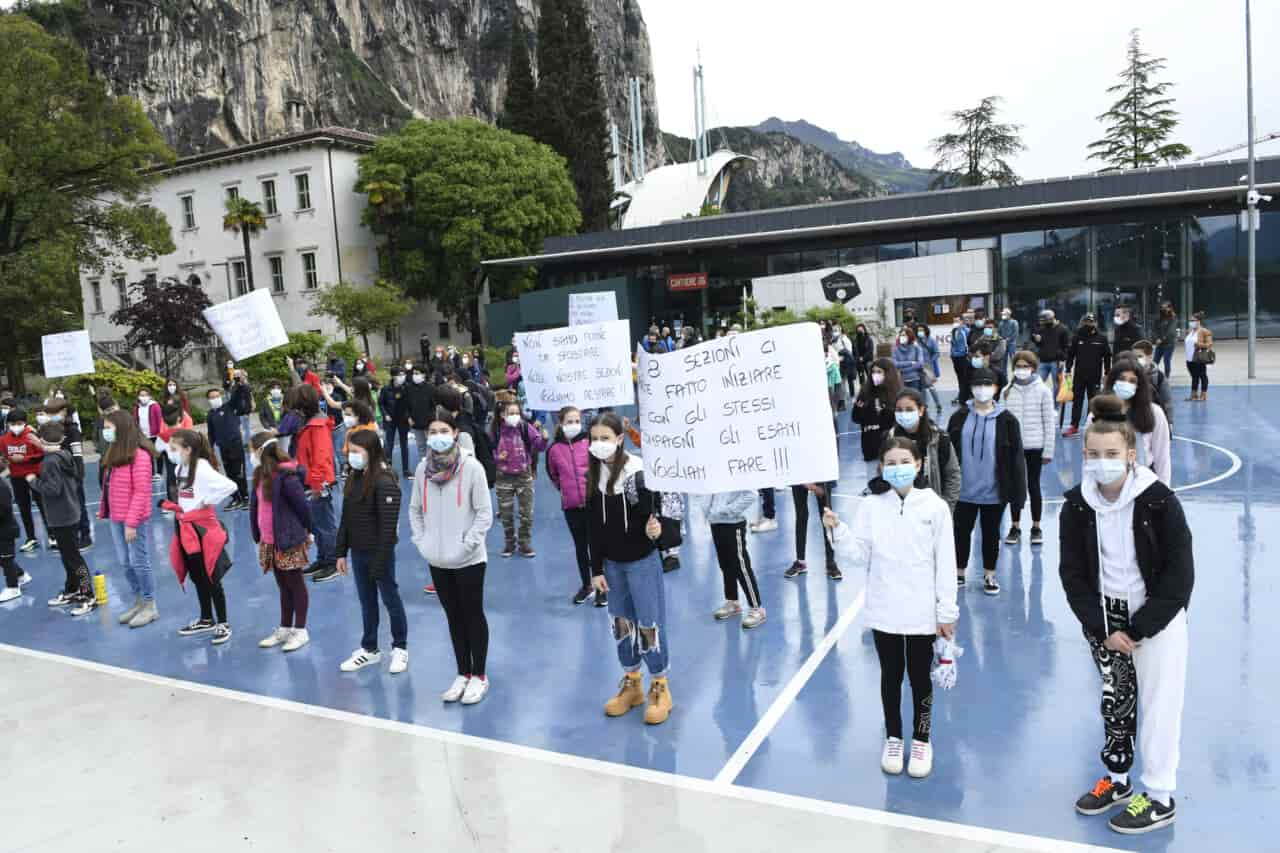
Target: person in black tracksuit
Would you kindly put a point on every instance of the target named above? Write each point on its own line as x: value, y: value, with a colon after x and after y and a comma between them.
x: 420, y: 403
x: 993, y: 473
x: 223, y: 426
x: 1088, y: 360
x: 395, y: 418
x: 60, y: 411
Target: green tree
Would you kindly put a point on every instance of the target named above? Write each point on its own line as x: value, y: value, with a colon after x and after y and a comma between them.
x: 246, y: 218
x: 551, y: 111
x: 74, y: 169
x: 976, y: 152
x: 1141, y: 121
x: 361, y: 310
x: 271, y: 366
x: 519, y: 106
x: 467, y: 192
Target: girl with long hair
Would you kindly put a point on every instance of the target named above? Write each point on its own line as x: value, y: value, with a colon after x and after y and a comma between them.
x: 1132, y: 384
x: 126, y: 464
x: 873, y: 408
x: 939, y: 464
x: 280, y: 522
x: 568, y: 460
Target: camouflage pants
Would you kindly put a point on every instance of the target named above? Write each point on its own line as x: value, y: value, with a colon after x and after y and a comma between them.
x: 512, y: 488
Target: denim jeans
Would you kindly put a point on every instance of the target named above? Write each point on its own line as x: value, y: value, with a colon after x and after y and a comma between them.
x: 325, y: 527
x: 246, y: 429
x: 1164, y: 353
x: 1047, y: 369
x: 637, y: 596
x: 135, y: 557
x: 339, y: 436
x: 369, y: 589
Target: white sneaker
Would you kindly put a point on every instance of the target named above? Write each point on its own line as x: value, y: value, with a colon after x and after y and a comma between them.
x: 278, y: 636
x: 399, y: 661
x: 298, y: 638
x: 765, y: 525
x: 921, y: 760
x: 891, y: 758
x: 755, y: 617
x: 477, y: 689
x: 359, y: 660
x: 455, y: 691
x: 84, y: 606
x: 24, y: 580
x: 728, y: 610
x: 10, y: 593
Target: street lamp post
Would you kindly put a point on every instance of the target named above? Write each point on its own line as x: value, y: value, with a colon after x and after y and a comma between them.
x: 1251, y: 199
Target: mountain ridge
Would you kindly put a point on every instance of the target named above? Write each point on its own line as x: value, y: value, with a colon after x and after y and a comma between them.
x: 892, y: 170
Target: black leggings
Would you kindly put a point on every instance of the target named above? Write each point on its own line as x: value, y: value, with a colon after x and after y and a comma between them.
x: 911, y: 655
x: 461, y: 594
x: 12, y: 571
x: 800, y: 496
x: 1080, y: 390
x: 964, y: 517
x: 391, y: 430
x: 294, y: 598
x: 730, y: 541
x: 209, y: 591
x: 1034, y: 463
x: 72, y: 563
x: 22, y: 495
x: 577, y: 521
x: 1199, y: 376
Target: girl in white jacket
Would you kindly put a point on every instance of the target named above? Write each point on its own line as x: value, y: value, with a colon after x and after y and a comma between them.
x: 904, y: 537
x: 1030, y: 401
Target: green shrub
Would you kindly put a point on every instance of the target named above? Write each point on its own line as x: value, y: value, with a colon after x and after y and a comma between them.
x: 495, y: 359
x: 264, y: 367
x: 123, y: 383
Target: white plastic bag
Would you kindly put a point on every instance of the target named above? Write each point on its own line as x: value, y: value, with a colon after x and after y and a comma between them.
x: 944, y: 665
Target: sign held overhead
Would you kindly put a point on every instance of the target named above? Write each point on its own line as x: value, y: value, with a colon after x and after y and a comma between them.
x: 247, y: 325
x: 67, y: 354
x: 586, y: 308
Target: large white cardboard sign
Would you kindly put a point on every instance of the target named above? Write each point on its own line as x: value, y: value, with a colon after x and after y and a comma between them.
x: 748, y: 411
x: 67, y: 354
x: 247, y: 325
x: 584, y: 366
x: 586, y: 308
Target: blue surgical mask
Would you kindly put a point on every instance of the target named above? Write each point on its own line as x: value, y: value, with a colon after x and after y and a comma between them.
x: 977, y: 362
x: 900, y: 476
x: 1124, y: 390
x: 907, y: 420
x: 440, y: 442
x: 356, y: 460
x: 108, y: 434
x: 1106, y: 471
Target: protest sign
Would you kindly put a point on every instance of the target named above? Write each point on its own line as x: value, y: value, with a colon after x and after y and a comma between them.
x: 747, y: 411
x: 67, y: 354
x: 584, y: 366
x: 587, y: 308
x: 247, y: 325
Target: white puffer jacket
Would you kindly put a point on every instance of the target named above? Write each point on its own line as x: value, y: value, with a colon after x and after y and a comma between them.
x: 1032, y: 405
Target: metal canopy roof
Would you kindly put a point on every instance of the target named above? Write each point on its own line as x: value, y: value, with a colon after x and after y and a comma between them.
x: 1109, y: 190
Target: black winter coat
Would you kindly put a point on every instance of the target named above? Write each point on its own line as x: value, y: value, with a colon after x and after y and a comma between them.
x: 1011, y: 465
x: 420, y: 403
x: 876, y: 419
x: 1051, y: 342
x: 8, y: 524
x: 1162, y: 540
x: 1127, y: 335
x: 1090, y: 357
x: 370, y: 523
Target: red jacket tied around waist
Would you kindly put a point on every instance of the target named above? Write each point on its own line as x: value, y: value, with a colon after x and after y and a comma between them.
x: 199, y: 532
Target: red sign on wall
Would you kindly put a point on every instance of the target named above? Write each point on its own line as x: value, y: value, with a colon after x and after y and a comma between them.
x: 687, y: 281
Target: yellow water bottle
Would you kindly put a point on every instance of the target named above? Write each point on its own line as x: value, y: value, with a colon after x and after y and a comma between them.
x: 100, y: 588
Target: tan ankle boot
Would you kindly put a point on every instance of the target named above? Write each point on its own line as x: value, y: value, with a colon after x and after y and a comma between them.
x: 659, y: 707
x: 630, y: 695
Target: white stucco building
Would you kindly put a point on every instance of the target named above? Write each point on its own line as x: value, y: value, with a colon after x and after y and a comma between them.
x: 305, y: 182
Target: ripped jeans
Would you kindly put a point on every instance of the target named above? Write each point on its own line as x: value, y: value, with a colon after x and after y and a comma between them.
x: 638, y: 614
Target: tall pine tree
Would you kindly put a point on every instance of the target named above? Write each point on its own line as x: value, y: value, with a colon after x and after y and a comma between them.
x: 519, y: 107
x: 553, y: 77
x: 1142, y: 120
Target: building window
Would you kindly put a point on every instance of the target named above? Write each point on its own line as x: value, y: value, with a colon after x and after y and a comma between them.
x: 277, y: 273
x: 303, y: 183
x: 95, y: 288
x: 122, y: 290
x: 188, y: 212
x: 927, y: 248
x: 392, y: 335
x: 444, y: 331
x: 149, y: 279
x: 240, y: 274
x: 233, y: 193
x: 269, y: 198
x: 310, y: 280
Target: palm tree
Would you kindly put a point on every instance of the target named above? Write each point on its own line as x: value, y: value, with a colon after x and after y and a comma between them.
x: 247, y: 218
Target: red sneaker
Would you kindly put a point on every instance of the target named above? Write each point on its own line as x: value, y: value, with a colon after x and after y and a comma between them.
x: 1070, y: 432
x: 429, y: 589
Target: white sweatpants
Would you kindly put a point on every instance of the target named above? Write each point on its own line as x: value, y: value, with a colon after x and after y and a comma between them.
x: 1161, y: 664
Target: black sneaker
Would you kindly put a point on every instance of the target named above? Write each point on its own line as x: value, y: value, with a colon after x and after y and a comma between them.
x: 797, y: 568
x: 313, y: 568
x: 326, y: 574
x: 989, y: 585
x: 834, y: 573
x: 602, y: 599
x: 960, y: 580
x: 1037, y: 537
x: 200, y: 626
x: 581, y: 595
x: 1143, y: 815
x: 1104, y: 796
x: 1014, y: 536
x: 670, y: 564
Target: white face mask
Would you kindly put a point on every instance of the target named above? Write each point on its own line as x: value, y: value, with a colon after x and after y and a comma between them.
x: 604, y: 450
x: 1023, y: 373
x: 418, y: 379
x: 399, y: 380
x: 215, y: 402
x: 571, y: 431
x: 357, y: 460
x: 1120, y: 321
x: 877, y: 378
x: 348, y: 421
x: 984, y: 393
x: 1143, y: 361
x: 17, y: 429
x: 42, y: 419
x: 512, y: 420
x: 174, y: 456
x: 902, y: 339
x: 1125, y: 390
x: 173, y: 389
x: 144, y: 401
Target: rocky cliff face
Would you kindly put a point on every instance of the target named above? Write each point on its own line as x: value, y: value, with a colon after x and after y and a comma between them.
x: 217, y: 73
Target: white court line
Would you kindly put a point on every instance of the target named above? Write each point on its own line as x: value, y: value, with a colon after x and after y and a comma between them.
x: 945, y: 829
x: 1236, y: 465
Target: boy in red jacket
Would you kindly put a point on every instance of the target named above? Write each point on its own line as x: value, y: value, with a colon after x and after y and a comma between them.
x: 313, y: 448
x: 23, y: 450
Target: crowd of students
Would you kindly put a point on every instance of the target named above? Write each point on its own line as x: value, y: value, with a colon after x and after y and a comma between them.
x: 1126, y: 560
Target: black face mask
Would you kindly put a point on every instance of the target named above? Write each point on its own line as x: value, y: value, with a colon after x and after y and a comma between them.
x: 1046, y: 323
x: 1088, y: 328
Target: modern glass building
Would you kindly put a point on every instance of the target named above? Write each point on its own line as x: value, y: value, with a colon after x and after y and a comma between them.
x: 1072, y: 244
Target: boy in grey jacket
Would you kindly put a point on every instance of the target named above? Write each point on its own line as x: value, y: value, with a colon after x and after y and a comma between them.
x: 58, y: 483
x: 727, y: 514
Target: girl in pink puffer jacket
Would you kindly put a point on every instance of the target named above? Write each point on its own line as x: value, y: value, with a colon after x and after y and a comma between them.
x: 567, y: 463
x: 127, y: 462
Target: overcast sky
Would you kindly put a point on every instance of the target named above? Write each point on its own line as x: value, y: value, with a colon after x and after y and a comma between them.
x: 887, y: 73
